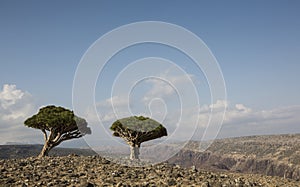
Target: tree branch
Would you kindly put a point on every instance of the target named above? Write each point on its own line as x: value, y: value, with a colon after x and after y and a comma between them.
x: 146, y: 136
x: 123, y: 134
x: 45, y: 134
x: 57, y: 137
x: 50, y: 135
x: 68, y: 136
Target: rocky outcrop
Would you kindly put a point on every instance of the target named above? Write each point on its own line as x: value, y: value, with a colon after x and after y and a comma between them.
x: 216, y: 162
x: 92, y: 171
x: 268, y: 155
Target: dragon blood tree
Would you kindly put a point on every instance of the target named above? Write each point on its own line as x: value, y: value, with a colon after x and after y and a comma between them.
x: 57, y: 124
x: 136, y: 130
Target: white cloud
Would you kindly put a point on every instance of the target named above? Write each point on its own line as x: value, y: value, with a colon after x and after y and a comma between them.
x: 219, y: 106
x: 166, y: 85
x: 242, y: 108
x: 9, y: 95
x: 109, y: 110
x: 15, y: 106
x: 240, y: 120
x: 160, y: 88
x: 115, y: 101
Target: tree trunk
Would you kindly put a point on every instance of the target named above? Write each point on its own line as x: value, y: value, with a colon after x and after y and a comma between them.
x: 134, y: 152
x: 45, y: 151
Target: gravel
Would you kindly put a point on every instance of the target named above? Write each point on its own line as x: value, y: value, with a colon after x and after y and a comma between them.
x: 89, y: 171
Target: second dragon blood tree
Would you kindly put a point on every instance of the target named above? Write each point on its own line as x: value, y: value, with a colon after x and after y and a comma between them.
x: 136, y: 130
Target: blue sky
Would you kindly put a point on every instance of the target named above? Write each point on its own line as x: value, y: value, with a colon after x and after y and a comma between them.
x: 256, y: 43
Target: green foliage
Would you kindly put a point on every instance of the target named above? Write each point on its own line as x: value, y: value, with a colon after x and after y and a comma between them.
x: 137, y: 123
x: 138, y: 129
x: 57, y: 119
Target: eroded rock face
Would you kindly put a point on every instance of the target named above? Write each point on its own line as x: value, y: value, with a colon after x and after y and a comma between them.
x: 96, y: 171
x: 227, y: 163
x: 276, y: 155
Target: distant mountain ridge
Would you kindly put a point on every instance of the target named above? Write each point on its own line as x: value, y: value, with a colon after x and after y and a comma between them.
x: 29, y: 150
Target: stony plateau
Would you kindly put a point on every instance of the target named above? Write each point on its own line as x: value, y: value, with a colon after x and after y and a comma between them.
x: 91, y: 171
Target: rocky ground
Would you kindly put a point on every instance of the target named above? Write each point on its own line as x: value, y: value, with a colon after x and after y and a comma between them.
x: 86, y: 171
